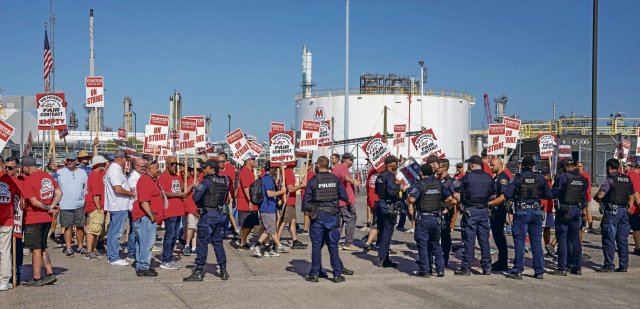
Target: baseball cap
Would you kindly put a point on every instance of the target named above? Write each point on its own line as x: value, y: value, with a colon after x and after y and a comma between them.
x: 567, y: 161
x: 121, y: 154
x: 432, y: 159
x: 391, y: 159
x: 83, y: 153
x: 346, y: 156
x: 528, y: 161
x: 249, y: 156
x: 459, y: 164
x: 70, y: 156
x: 98, y: 160
x: 29, y: 161
x: 475, y: 159
x: 483, y: 153
x: 209, y: 163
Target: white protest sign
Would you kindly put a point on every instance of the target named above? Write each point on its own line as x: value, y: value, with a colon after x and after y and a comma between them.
x: 94, y: 86
x: 427, y: 145
x: 399, y: 135
x: 495, y: 141
x: 325, y: 133
x: 309, y: 135
x: 238, y: 145
x: 512, y: 132
x: 187, y: 142
x: 377, y: 150
x: 6, y: 131
x: 546, y: 142
x: 201, y: 131
x: 282, y: 148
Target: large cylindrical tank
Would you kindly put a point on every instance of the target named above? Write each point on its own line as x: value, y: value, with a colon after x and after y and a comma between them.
x: 444, y: 111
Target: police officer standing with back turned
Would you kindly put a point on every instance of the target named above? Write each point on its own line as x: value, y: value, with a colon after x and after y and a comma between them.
x: 387, y: 208
x: 427, y: 196
x: 615, y: 194
x: 210, y: 197
x: 526, y: 190
x: 569, y: 188
x: 321, y: 203
x: 475, y: 192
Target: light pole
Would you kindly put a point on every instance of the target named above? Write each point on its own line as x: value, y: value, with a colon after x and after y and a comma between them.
x: 421, y: 63
x: 229, y: 115
x: 594, y: 91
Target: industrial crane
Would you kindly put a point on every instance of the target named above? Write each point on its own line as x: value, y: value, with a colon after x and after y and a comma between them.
x: 487, y: 110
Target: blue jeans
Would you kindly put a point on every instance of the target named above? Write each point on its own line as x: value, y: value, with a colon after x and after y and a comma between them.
x: 211, y: 231
x: 427, y: 237
x: 146, y: 237
x: 386, y: 225
x: 131, y: 243
x: 568, y: 237
x: 325, y: 230
x: 475, y: 224
x: 615, y: 234
x: 115, y: 231
x: 528, y: 221
x: 171, y: 230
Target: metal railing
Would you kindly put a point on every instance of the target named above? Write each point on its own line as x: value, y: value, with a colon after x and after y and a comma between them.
x: 446, y: 93
x: 581, y: 126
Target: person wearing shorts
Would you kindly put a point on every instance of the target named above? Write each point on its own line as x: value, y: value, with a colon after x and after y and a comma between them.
x: 289, y: 210
x: 247, y: 212
x: 372, y: 198
x: 94, y: 206
x: 189, y: 220
x: 73, y: 183
x: 634, y: 209
x: 268, y: 215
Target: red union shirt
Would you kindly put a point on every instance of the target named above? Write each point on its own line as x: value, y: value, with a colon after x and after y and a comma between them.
x: 588, y: 177
x: 246, y: 178
x: 8, y: 194
x: 41, y: 186
x: 171, y: 183
x: 189, y: 205
x: 548, y: 204
x: 290, y: 180
x: 635, y: 181
x: 95, y: 186
x: 372, y: 197
x: 229, y: 171
x: 310, y: 174
x: 148, y: 191
x: 341, y: 170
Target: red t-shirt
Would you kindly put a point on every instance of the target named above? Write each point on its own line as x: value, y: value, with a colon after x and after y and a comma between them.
x: 487, y: 169
x: 41, y: 186
x: 171, y: 183
x: 459, y: 176
x: 189, y: 205
x: 548, y: 204
x: 588, y: 177
x: 8, y: 194
x: 341, y: 170
x: 148, y: 191
x: 19, y: 181
x: 290, y: 180
x: 372, y: 197
x: 635, y: 181
x: 310, y: 174
x: 229, y: 171
x: 95, y: 186
x: 246, y: 178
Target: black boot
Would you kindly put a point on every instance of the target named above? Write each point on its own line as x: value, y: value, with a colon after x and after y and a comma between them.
x: 224, y: 275
x: 196, y: 275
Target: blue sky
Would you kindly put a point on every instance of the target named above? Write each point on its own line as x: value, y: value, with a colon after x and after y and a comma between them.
x: 243, y: 57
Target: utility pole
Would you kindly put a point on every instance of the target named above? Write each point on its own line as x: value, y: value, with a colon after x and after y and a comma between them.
x: 594, y: 91
x: 384, y: 129
x: 345, y: 122
x: 229, y: 115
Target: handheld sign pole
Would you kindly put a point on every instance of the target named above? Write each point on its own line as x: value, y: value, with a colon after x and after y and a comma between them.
x: 186, y: 171
x: 14, y: 262
x: 333, y: 141
x: 195, y: 168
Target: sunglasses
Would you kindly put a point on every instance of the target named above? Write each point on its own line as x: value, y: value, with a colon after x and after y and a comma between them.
x: 173, y: 164
x: 9, y: 168
x: 222, y: 161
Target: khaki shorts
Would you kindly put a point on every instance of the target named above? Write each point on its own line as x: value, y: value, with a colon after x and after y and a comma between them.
x: 189, y: 221
x: 95, y: 222
x: 289, y: 214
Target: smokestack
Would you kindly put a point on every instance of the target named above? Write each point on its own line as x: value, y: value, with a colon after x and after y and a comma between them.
x: 306, y: 72
x: 92, y: 56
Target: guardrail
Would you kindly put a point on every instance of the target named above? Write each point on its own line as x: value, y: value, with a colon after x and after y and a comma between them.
x: 447, y: 93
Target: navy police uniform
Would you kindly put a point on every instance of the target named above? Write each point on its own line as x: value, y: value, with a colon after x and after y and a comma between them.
x: 445, y: 235
x: 429, y: 194
x: 387, y: 209
x: 615, y: 220
x: 498, y: 220
x: 475, y: 190
x: 210, y: 197
x: 569, y: 188
x: 526, y: 190
x: 321, y: 203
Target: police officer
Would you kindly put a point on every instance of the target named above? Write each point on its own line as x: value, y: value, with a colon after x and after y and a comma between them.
x: 321, y: 203
x: 449, y: 215
x: 210, y: 197
x: 388, y: 207
x: 526, y: 190
x: 499, y: 215
x: 475, y: 192
x: 615, y: 194
x: 427, y: 196
x: 569, y: 188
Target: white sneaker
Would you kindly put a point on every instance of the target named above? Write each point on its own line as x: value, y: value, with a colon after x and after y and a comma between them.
x: 169, y: 266
x: 364, y: 229
x: 409, y: 231
x: 283, y: 249
x: 156, y: 249
x: 119, y: 262
x: 256, y: 251
x: 6, y: 287
x: 271, y: 254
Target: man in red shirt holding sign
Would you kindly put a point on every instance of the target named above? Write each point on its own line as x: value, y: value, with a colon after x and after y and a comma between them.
x: 94, y: 205
x: 42, y: 196
x: 247, y: 213
x: 289, y: 211
x: 8, y: 195
x: 348, y: 209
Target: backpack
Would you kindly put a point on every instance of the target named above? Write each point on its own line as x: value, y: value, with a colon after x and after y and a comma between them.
x: 256, y: 196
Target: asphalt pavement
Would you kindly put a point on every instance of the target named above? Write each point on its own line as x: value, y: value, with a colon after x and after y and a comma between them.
x: 271, y: 282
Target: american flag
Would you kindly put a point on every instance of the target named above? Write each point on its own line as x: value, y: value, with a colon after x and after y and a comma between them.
x: 48, y: 58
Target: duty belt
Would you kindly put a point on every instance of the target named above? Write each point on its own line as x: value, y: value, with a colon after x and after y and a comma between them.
x: 328, y: 209
x: 613, y: 207
x: 477, y: 206
x: 431, y: 214
x: 218, y: 209
x: 525, y: 206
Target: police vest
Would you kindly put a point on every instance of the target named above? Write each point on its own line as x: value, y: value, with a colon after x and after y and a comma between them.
x: 529, y: 188
x: 381, y: 185
x: 217, y: 193
x: 430, y: 196
x: 477, y: 189
x: 573, y: 191
x: 326, y: 189
x: 619, y: 193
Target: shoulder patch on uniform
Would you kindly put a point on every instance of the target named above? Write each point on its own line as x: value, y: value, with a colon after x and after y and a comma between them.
x: 504, y: 181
